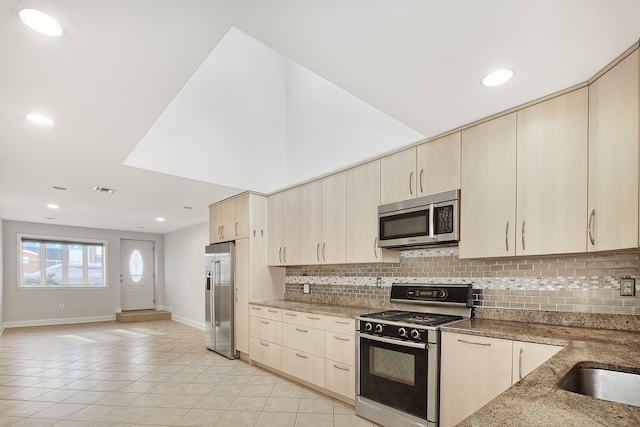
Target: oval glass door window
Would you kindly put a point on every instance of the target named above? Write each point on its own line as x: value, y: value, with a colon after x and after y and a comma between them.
x: 136, y: 266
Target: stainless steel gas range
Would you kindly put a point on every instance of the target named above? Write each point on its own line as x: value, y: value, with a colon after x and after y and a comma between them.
x: 398, y: 372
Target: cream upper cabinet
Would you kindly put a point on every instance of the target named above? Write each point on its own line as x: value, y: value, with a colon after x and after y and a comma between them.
x: 322, y: 208
x: 552, y: 175
x: 527, y: 356
x: 283, y: 217
x: 438, y: 165
x: 398, y: 176
x: 241, y: 209
x: 241, y: 291
x: 362, y: 200
x: 228, y: 223
x: 488, y: 189
x: 613, y: 158
x: 229, y: 220
x: 481, y: 364
x: 215, y: 223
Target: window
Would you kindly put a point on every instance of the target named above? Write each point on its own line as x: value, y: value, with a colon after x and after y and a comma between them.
x: 56, y: 263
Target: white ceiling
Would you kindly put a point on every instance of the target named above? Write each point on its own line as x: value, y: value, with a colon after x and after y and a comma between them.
x: 122, y: 63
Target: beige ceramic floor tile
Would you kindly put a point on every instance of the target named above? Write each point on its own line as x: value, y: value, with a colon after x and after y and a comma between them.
x: 201, y: 417
x: 59, y: 411
x: 316, y: 406
x: 341, y: 420
x: 248, y: 403
x: 314, y: 420
x: 238, y: 419
x: 92, y: 413
x: 164, y: 416
x: 276, y: 419
x: 282, y: 404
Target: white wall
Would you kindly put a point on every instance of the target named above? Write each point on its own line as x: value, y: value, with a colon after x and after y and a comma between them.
x: 184, y: 273
x: 1, y: 274
x: 24, y: 307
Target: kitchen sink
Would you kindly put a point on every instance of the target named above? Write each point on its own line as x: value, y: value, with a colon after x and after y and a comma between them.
x: 604, y: 383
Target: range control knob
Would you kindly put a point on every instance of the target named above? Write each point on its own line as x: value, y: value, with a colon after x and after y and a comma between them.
x: 368, y: 326
x: 402, y: 332
x: 415, y: 334
x: 379, y: 328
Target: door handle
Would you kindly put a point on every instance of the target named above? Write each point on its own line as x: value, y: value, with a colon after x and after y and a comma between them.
x: 236, y: 229
x: 280, y: 254
x: 432, y: 231
x: 301, y: 330
x: 341, y: 339
x: 302, y: 356
x: 236, y: 294
x: 591, y: 217
x: 520, y: 365
x: 284, y: 254
x: 341, y: 368
x: 222, y: 231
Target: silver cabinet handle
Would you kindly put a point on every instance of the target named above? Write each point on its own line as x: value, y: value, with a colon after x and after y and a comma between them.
x: 219, y: 232
x: 591, y: 217
x: 291, y: 314
x: 410, y: 182
x: 302, y: 356
x: 420, y: 179
x: 520, y: 365
x: 280, y: 254
x: 375, y: 247
x: 318, y: 252
x: 272, y: 311
x: 313, y: 318
x: 341, y: 368
x: 284, y: 254
x: 485, y: 344
x: 523, y: 223
x: 301, y: 330
x: 264, y: 322
x: 236, y: 229
x: 236, y: 294
x: 506, y: 236
x: 324, y: 246
x: 341, y: 339
x: 341, y: 322
x: 264, y: 344
x: 256, y: 308
x: 222, y: 231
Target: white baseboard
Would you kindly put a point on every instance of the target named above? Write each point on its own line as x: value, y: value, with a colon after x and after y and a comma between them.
x: 163, y: 307
x: 65, y: 321
x: 187, y: 321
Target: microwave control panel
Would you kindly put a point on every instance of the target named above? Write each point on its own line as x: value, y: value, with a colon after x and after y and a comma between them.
x: 444, y: 219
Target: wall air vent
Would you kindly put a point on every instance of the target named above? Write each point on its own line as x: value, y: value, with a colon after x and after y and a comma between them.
x: 103, y: 190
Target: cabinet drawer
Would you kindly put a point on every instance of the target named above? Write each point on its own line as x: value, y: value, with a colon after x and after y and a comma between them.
x: 340, y: 348
x: 272, y: 313
x: 300, y: 364
x: 340, y: 378
x: 293, y: 317
x: 256, y: 310
x: 303, y: 338
x: 264, y: 329
x: 267, y: 353
x: 341, y: 325
x: 313, y: 320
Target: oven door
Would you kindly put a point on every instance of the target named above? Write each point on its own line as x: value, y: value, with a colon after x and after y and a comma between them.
x: 394, y: 373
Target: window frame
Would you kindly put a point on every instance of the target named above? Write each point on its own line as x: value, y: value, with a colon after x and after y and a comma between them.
x: 65, y: 242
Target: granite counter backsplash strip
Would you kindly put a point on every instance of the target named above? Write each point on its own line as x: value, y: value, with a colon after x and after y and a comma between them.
x: 583, y: 283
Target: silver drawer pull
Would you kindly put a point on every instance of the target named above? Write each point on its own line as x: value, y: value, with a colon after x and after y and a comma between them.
x: 264, y: 322
x: 341, y: 368
x: 264, y: 344
x: 301, y: 330
x: 342, y: 323
x: 313, y: 318
x: 301, y: 355
x: 256, y: 308
x: 486, y: 344
x: 341, y: 339
x: 291, y: 314
x: 272, y: 311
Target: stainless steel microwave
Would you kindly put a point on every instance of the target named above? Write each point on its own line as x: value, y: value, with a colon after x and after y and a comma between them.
x: 419, y: 222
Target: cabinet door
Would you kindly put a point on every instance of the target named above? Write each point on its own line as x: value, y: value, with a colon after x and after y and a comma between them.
x: 241, y: 282
x: 398, y: 176
x: 303, y: 338
x: 307, y: 367
x: 552, y: 176
x: 241, y: 227
x: 215, y: 223
x: 291, y: 227
x: 527, y: 356
x: 613, y: 158
x: 438, y: 165
x: 481, y: 365
x: 488, y: 189
x: 340, y: 378
x: 333, y: 219
x: 362, y: 200
x: 228, y: 212
x: 340, y: 348
x: 275, y: 231
x: 311, y: 222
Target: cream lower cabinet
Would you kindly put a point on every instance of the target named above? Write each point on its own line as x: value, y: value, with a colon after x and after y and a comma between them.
x: 476, y: 369
x: 266, y: 336
x: 340, y: 347
x: 303, y: 347
x: 241, y: 307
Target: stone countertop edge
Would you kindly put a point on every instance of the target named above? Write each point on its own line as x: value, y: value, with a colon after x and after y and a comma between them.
x: 536, y: 400
x: 345, y: 311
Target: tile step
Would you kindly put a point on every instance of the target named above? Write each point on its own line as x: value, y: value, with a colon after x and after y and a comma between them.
x: 142, y: 316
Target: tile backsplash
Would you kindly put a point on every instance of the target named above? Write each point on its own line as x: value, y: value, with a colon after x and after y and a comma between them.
x: 585, y: 283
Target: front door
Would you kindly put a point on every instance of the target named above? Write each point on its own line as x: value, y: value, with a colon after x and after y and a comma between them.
x: 137, y: 275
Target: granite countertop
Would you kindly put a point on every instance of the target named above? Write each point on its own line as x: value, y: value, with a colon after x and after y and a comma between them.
x: 326, y: 309
x: 536, y: 400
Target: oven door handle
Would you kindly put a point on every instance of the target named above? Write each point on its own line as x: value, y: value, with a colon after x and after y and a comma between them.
x: 419, y: 345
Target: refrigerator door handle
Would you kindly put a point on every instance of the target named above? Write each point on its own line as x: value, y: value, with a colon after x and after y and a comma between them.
x: 216, y: 284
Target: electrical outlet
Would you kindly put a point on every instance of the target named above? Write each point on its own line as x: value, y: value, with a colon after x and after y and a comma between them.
x: 378, y: 282
x: 627, y: 287
x: 306, y: 289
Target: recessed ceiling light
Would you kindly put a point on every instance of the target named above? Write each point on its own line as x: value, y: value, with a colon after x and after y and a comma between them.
x: 497, y: 77
x: 40, y: 119
x: 53, y: 206
x: 41, y: 22
x: 160, y: 219
x: 55, y: 187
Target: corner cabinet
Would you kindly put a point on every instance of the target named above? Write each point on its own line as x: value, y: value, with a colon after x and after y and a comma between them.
x: 488, y: 189
x: 486, y: 366
x: 613, y: 157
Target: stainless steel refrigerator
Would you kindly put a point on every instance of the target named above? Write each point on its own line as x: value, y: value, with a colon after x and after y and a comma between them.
x: 219, y: 331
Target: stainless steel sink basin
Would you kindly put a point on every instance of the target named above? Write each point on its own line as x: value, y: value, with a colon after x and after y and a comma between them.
x: 604, y: 383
